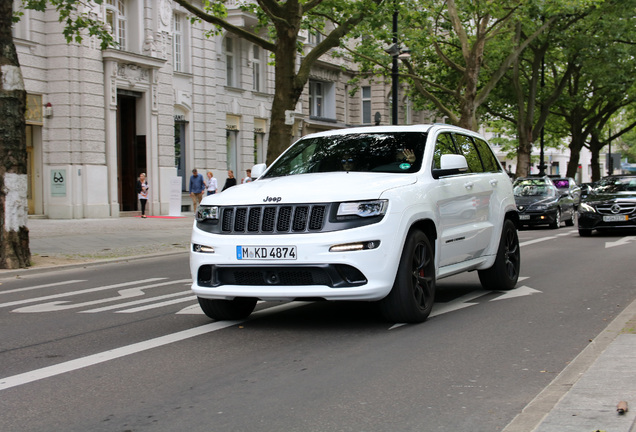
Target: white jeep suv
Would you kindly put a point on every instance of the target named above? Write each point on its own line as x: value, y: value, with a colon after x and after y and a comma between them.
x: 377, y: 214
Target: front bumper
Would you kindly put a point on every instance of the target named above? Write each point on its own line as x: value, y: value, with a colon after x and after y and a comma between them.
x: 315, y: 273
x: 537, y: 217
x: 590, y: 221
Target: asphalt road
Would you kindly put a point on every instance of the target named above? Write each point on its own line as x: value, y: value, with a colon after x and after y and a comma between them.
x: 123, y: 347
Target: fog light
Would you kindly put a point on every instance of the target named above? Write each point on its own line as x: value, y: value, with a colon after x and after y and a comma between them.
x: 202, y: 248
x: 366, y: 245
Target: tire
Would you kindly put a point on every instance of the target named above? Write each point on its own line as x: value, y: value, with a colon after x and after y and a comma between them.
x: 570, y: 222
x: 413, y: 293
x: 504, y: 273
x: 557, y: 220
x: 236, y: 309
x: 585, y: 232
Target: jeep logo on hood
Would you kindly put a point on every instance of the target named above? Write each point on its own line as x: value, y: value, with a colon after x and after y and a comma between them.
x: 272, y: 199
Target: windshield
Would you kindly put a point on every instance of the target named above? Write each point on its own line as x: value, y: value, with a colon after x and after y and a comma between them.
x: 533, y: 188
x: 612, y: 185
x: 391, y: 152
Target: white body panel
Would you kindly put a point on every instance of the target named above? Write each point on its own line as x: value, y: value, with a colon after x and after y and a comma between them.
x: 466, y: 210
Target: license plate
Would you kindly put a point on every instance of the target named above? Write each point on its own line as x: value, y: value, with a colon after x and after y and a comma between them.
x: 524, y: 217
x: 616, y: 218
x: 266, y: 252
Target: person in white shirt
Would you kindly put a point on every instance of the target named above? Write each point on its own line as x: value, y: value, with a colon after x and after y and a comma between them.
x: 249, y: 176
x: 211, y: 185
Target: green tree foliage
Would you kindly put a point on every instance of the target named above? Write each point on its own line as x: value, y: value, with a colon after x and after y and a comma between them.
x: 459, y: 51
x: 278, y: 31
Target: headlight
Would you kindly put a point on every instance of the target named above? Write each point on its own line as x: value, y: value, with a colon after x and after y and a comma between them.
x: 586, y: 208
x: 206, y: 213
x: 363, y: 208
x: 540, y: 207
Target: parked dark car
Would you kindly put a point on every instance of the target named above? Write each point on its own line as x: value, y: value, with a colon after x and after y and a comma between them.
x: 610, y: 205
x: 540, y: 203
x: 567, y: 185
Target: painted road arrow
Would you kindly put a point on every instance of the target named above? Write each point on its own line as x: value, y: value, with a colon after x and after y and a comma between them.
x: 621, y: 242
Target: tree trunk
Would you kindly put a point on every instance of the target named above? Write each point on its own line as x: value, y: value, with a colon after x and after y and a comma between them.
x: 524, y: 153
x: 14, y: 235
x: 573, y: 163
x: 286, y: 95
x: 288, y: 86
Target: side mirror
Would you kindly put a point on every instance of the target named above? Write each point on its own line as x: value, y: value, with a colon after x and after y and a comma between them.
x: 451, y: 164
x: 258, y: 170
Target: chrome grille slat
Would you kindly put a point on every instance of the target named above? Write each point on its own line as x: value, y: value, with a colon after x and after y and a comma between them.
x: 273, y: 219
x: 625, y: 208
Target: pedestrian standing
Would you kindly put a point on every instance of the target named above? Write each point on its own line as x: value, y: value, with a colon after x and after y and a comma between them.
x: 142, y: 193
x: 230, y: 181
x: 197, y: 186
x: 248, y: 178
x: 211, y: 185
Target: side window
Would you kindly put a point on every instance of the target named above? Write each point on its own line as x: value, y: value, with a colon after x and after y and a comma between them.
x: 444, y: 145
x: 465, y: 143
x: 488, y: 159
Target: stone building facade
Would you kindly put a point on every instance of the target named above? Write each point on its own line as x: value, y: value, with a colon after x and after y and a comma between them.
x: 167, y: 100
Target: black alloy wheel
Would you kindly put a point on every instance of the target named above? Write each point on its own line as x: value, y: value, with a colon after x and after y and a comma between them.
x: 504, y: 273
x: 412, y: 296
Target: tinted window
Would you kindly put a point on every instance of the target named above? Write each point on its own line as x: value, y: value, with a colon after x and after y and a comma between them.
x: 465, y: 143
x: 444, y: 145
x: 488, y: 159
x: 366, y: 152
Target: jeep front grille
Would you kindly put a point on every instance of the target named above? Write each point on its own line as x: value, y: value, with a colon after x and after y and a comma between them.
x: 273, y: 219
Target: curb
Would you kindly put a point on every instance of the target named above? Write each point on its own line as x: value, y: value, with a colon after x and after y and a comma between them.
x: 534, y: 414
x: 47, y: 269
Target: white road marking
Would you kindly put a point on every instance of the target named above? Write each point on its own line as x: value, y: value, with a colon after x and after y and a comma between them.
x: 621, y: 242
x: 458, y: 303
x: 517, y: 292
x: 83, y: 362
x: 123, y: 294
x: 80, y: 363
x: 72, y: 293
x: 136, y: 302
x: 194, y: 309
x: 42, y: 286
x: 158, y: 305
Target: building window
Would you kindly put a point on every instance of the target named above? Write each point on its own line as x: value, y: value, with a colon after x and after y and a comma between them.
x: 180, y: 151
x: 322, y: 100
x: 366, y: 104
x: 231, y: 137
x: 116, y: 19
x: 315, y: 37
x: 257, y: 69
x: 177, y: 42
x: 231, y: 55
x: 316, y: 99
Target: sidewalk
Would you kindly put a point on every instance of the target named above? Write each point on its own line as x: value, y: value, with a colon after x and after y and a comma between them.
x: 65, y: 242
x: 582, y: 398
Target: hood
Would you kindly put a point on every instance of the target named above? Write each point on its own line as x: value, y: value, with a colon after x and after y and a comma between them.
x: 311, y: 188
x: 524, y: 201
x: 595, y: 198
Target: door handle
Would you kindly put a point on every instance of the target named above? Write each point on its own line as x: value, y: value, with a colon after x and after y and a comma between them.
x: 469, y: 185
x: 494, y: 182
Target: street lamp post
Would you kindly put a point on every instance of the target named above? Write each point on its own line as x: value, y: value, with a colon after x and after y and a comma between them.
x: 394, y: 69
